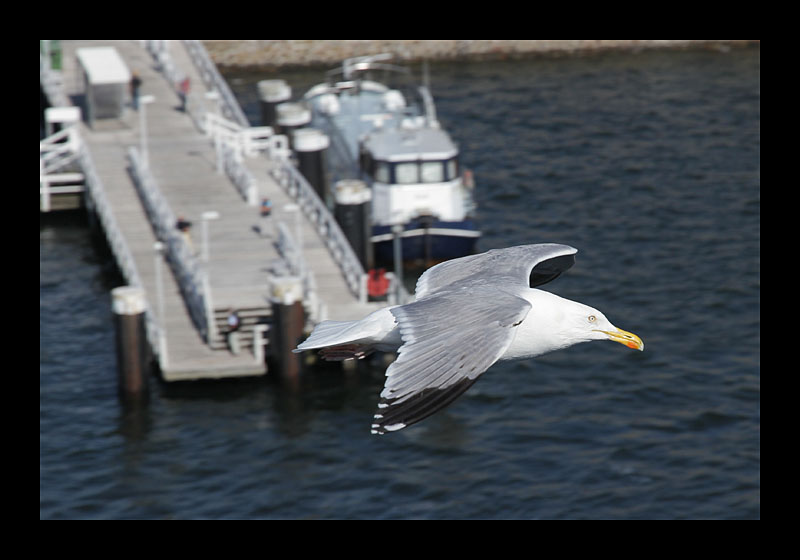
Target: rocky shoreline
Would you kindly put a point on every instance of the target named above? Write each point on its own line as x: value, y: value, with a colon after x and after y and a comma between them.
x: 274, y: 54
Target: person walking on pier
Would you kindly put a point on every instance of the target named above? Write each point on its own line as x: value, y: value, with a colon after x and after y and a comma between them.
x: 266, y: 207
x: 136, y: 83
x: 184, y: 226
x: 265, y: 228
x: 183, y: 92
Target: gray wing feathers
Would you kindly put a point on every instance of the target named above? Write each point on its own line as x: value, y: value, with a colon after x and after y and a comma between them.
x: 449, y: 339
x: 512, y: 263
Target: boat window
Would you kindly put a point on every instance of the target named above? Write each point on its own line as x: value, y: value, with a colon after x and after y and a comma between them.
x: 432, y: 172
x: 405, y: 173
x: 381, y: 174
x: 452, y: 170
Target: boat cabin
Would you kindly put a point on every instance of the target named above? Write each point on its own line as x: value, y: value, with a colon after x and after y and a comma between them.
x: 422, y: 155
x: 414, y: 172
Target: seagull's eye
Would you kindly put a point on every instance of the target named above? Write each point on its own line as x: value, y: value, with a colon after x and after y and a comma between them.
x: 592, y: 318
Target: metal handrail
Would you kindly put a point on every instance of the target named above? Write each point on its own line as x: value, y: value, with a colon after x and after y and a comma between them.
x: 54, y: 153
x: 213, y: 80
x: 285, y: 174
x: 239, y: 175
x: 52, y: 82
x: 292, y: 256
x: 298, y: 188
x: 119, y: 247
x: 231, y: 143
x: 191, y: 279
x: 249, y: 141
x: 159, y: 50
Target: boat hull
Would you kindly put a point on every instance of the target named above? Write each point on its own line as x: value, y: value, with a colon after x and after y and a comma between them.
x: 426, y: 241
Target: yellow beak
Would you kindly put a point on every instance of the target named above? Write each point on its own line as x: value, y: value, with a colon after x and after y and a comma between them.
x: 627, y: 338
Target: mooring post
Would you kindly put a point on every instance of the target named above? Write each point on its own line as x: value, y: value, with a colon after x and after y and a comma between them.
x: 310, y: 145
x: 270, y: 94
x: 291, y: 116
x: 352, y: 213
x: 128, y: 305
x: 288, y: 320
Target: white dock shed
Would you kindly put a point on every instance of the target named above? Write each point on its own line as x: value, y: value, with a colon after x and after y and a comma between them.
x: 106, y: 80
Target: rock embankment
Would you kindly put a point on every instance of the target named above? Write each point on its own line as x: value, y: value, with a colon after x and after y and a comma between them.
x: 282, y: 53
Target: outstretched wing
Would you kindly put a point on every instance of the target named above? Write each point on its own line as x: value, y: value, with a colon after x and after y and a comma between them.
x: 524, y: 265
x: 449, y: 339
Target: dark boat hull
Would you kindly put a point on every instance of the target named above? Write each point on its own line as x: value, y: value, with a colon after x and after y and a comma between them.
x: 426, y: 241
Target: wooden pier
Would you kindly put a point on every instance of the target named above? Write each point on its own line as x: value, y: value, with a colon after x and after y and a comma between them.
x: 208, y: 166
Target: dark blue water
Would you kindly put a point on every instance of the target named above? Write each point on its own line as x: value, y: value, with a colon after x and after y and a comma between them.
x: 649, y: 164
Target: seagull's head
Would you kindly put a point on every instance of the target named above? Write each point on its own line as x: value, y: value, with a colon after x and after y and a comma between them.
x: 596, y: 326
x: 587, y: 323
x: 555, y: 323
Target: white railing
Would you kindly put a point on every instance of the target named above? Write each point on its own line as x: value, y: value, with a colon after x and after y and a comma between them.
x: 192, y: 280
x: 214, y: 81
x: 298, y: 188
x: 52, y: 82
x: 59, y: 149
x: 248, y: 141
x: 159, y: 50
x: 238, y: 174
x: 56, y: 152
x: 119, y: 247
x: 295, y: 262
x: 231, y: 144
x: 233, y: 129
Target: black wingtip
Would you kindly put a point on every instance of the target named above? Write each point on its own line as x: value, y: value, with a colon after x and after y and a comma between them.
x: 550, y: 269
x: 393, y: 415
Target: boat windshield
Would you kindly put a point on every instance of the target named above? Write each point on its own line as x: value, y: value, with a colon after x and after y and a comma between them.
x: 412, y: 172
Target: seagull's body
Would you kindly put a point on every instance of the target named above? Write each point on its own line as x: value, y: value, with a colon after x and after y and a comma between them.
x: 468, y: 314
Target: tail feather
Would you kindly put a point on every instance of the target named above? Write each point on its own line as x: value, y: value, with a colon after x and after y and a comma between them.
x: 328, y: 333
x: 342, y: 340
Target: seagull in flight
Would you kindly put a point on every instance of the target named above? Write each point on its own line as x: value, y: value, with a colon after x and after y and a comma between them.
x: 468, y: 314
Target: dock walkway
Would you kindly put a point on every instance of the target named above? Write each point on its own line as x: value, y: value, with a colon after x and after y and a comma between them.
x: 241, y: 244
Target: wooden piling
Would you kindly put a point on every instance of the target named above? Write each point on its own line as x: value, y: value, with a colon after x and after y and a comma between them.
x: 270, y: 94
x: 352, y: 213
x: 289, y: 117
x: 128, y: 305
x: 310, y: 145
x: 286, y: 332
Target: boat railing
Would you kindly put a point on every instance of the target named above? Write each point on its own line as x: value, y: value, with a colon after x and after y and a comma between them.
x: 362, y: 64
x: 429, y: 106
